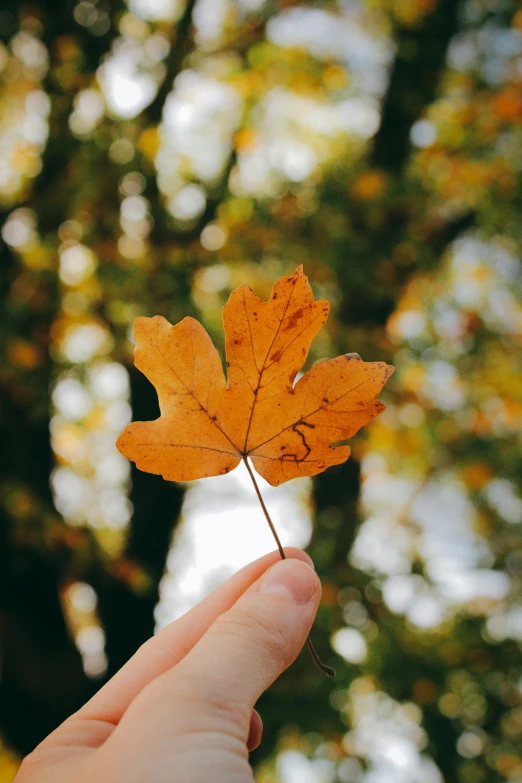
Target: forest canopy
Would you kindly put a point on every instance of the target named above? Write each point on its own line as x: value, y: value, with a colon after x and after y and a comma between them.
x: 155, y: 155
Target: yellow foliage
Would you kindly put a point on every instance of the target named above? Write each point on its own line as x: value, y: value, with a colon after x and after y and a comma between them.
x: 411, y: 13
x: 369, y: 185
x: 21, y: 504
x: 236, y: 210
x: 476, y: 474
x: 424, y: 691
x: 412, y: 378
x: 37, y: 258
x: 245, y: 139
x: 507, y: 764
x: 508, y: 104
x: 149, y: 142
x: 249, y: 83
x: 23, y: 354
x: 335, y: 77
x: 67, y: 48
x: 24, y: 158
x: 9, y: 764
x: 517, y: 20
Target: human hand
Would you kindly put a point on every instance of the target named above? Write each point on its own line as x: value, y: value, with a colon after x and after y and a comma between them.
x: 182, y: 709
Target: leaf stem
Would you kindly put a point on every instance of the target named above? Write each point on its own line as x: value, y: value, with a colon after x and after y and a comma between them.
x: 315, y: 657
x: 265, y: 510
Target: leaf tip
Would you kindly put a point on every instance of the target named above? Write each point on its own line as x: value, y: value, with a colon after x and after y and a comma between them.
x: 140, y: 323
x: 143, y: 323
x: 120, y: 442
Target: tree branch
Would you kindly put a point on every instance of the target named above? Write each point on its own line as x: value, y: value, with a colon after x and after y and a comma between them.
x: 127, y: 610
x: 181, y: 45
x: 415, y: 76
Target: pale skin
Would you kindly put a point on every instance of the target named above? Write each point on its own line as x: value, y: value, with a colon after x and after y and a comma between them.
x: 182, y: 709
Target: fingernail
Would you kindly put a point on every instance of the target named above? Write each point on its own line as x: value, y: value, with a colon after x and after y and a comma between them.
x: 292, y: 578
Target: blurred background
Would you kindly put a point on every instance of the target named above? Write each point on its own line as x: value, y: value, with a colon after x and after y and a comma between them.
x: 154, y: 155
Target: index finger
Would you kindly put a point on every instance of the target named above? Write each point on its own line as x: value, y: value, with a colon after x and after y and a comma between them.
x: 170, y: 645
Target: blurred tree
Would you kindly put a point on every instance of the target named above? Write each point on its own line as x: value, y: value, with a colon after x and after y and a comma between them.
x: 158, y: 154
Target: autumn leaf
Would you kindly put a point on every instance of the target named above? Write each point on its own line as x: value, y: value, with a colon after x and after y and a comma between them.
x: 286, y: 429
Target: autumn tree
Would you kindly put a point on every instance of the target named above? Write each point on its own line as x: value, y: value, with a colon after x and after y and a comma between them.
x: 157, y: 157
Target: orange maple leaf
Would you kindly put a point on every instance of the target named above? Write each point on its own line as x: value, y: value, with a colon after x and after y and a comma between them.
x: 207, y: 426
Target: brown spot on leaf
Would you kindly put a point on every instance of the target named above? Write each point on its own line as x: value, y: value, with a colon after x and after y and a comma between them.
x: 292, y: 321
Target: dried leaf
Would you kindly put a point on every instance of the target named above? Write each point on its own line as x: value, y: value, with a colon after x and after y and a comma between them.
x: 206, y: 426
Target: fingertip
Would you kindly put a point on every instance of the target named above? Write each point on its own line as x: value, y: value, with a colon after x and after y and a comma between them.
x: 293, y: 553
x: 293, y: 578
x: 255, y: 732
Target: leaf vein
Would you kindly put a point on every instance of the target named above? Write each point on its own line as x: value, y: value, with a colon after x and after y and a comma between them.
x: 191, y: 393
x: 307, y: 416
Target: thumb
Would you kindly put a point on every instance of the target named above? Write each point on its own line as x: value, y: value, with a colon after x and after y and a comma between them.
x: 244, y: 651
